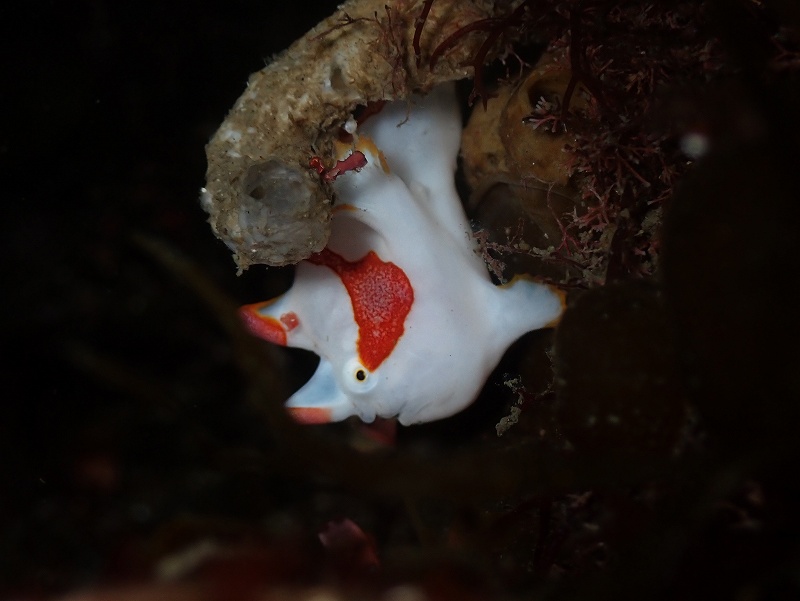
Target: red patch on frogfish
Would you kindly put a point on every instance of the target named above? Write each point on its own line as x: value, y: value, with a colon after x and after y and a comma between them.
x: 263, y: 326
x: 290, y: 320
x: 310, y: 415
x: 381, y: 295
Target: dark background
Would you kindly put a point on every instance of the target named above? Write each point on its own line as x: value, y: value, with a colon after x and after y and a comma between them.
x: 106, y: 108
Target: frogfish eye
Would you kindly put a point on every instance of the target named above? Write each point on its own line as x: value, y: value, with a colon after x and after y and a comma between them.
x: 357, y: 378
x: 359, y: 374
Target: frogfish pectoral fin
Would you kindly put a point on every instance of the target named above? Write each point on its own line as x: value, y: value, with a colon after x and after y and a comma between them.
x: 532, y: 304
x: 320, y: 401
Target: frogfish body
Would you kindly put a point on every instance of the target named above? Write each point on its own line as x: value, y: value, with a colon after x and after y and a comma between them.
x: 398, y: 306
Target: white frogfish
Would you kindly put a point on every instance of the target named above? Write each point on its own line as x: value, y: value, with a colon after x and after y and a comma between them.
x: 398, y: 306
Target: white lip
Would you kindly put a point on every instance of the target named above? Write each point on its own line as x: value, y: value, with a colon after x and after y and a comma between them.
x: 322, y: 392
